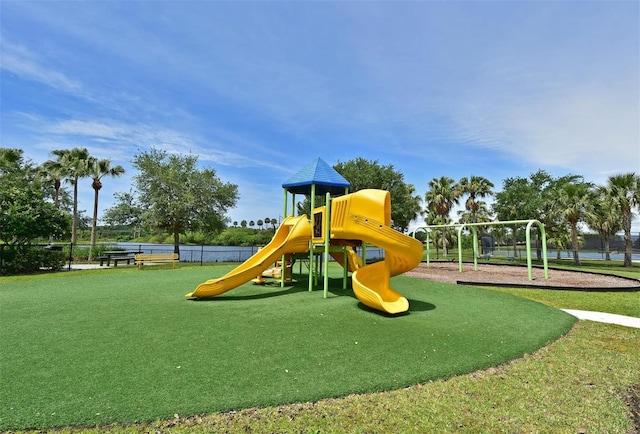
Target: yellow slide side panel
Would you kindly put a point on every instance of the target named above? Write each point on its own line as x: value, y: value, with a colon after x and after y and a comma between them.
x: 292, y: 237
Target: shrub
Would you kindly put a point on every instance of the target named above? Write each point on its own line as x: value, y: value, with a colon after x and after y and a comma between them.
x: 21, y: 259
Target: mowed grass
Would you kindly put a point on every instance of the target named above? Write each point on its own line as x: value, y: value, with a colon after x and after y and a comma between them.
x: 124, y: 346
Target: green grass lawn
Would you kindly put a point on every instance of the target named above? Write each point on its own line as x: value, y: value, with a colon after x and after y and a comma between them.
x: 123, y: 346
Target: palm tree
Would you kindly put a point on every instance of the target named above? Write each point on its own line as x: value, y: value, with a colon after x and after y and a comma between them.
x: 260, y: 223
x: 98, y: 169
x: 606, y: 218
x: 75, y: 163
x: 572, y: 202
x: 443, y: 194
x: 476, y: 187
x: 624, y: 190
x: 54, y: 171
x: 9, y: 158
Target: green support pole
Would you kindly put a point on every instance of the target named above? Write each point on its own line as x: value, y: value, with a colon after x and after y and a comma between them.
x: 284, y: 212
x: 312, y: 266
x: 460, y: 248
x: 475, y: 247
x: 428, y: 247
x: 345, y: 269
x: 327, y: 242
x: 543, y: 236
x: 282, y: 259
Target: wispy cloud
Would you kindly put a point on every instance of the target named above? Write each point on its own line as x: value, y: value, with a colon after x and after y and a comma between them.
x: 19, y: 60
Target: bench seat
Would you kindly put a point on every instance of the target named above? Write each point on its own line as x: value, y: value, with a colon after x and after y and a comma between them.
x: 117, y: 259
x: 156, y: 258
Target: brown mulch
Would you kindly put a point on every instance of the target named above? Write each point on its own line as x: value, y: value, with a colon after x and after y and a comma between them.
x: 513, y: 275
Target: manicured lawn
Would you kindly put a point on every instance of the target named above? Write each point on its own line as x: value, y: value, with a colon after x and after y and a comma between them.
x: 104, y: 346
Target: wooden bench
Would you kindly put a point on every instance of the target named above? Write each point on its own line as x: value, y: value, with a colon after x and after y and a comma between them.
x: 156, y: 258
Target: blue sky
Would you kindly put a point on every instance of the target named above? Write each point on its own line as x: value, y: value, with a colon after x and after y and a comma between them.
x: 259, y: 89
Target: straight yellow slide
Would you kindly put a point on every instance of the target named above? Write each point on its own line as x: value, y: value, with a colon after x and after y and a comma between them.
x: 292, y: 237
x: 366, y: 215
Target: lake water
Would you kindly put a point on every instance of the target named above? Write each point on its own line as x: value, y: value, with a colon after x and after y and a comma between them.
x: 214, y: 253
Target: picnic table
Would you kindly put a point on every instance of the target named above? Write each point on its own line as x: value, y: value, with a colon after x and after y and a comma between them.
x: 117, y: 256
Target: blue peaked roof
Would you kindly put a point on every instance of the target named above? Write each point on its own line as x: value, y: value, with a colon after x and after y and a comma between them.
x: 325, y: 178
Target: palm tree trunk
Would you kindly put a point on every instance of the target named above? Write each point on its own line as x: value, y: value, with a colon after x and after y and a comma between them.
x: 94, y: 223
x: 444, y: 242
x: 74, y: 225
x: 607, y: 250
x: 574, y: 242
x: 176, y: 242
x: 626, y: 221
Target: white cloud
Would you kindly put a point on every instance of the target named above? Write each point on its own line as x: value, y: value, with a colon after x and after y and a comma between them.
x: 19, y: 60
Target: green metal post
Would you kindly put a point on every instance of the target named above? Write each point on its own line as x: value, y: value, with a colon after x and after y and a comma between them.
x: 312, y: 266
x: 460, y: 248
x: 544, y: 249
x: 327, y: 242
x: 474, y: 233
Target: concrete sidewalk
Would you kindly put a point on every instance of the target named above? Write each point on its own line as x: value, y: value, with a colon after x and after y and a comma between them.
x: 610, y: 318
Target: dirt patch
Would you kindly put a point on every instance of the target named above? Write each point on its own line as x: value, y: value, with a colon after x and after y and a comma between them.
x: 518, y: 276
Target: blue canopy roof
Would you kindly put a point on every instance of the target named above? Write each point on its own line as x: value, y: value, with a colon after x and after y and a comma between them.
x: 325, y: 178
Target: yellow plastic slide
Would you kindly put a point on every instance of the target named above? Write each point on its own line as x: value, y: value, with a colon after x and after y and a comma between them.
x: 366, y: 215
x: 292, y: 237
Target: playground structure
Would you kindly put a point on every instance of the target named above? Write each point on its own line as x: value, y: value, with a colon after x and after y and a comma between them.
x: 476, y: 254
x: 334, y: 229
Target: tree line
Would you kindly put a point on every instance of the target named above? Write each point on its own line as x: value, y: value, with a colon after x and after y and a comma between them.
x: 562, y: 204
x: 172, y: 194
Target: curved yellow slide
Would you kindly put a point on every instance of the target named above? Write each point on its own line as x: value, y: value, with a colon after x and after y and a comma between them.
x: 292, y: 237
x: 366, y: 215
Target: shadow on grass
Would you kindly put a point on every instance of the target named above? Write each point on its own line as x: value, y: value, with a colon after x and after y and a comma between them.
x: 270, y: 291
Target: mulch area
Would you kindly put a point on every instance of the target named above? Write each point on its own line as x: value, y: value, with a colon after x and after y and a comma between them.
x: 518, y: 276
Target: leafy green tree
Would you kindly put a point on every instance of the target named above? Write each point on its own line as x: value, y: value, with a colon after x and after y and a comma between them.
x: 624, y: 191
x: 75, y: 163
x: 523, y: 199
x: 25, y: 216
x: 243, y: 223
x: 260, y: 223
x: 405, y: 203
x: 125, y: 212
x: 178, y: 196
x: 98, y: 169
x: 571, y: 200
x: 606, y: 219
x: 442, y: 195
